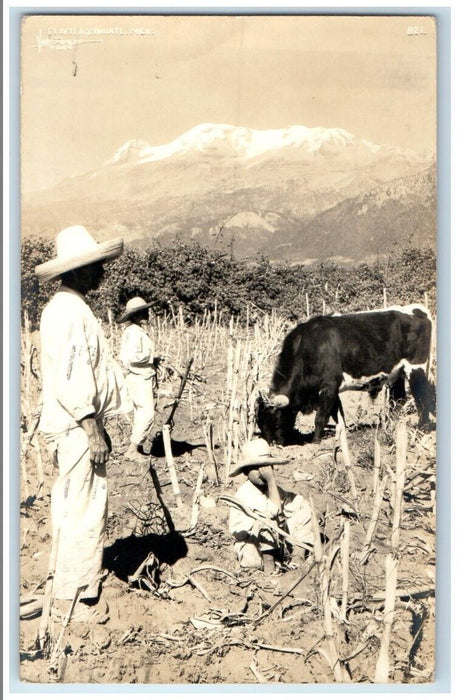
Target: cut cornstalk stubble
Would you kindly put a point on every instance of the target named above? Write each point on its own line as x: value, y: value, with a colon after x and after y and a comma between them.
x: 382, y: 669
x: 324, y: 565
x: 341, y: 435
x: 170, y: 463
x: 380, y: 489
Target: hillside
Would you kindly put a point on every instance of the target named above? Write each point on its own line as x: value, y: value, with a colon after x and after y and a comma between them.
x: 279, y: 192
x: 402, y: 212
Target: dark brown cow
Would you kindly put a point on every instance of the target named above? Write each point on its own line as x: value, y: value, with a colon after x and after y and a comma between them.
x: 361, y: 351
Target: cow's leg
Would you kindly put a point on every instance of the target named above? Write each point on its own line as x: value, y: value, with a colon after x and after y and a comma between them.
x: 328, y: 398
x: 398, y: 388
x: 338, y: 408
x: 424, y: 395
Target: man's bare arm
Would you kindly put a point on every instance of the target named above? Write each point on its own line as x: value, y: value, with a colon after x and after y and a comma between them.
x: 268, y: 475
x: 98, y: 448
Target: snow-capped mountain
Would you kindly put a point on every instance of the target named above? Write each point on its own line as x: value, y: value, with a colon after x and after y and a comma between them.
x: 246, y: 144
x: 253, y: 186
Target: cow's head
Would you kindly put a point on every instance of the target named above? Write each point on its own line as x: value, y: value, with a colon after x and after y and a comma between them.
x: 275, y: 418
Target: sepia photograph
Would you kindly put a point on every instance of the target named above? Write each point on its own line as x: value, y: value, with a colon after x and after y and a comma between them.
x: 228, y: 349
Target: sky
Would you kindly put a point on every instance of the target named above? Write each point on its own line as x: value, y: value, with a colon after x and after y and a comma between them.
x: 153, y: 78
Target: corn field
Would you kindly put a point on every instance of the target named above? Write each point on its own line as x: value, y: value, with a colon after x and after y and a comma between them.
x: 362, y: 610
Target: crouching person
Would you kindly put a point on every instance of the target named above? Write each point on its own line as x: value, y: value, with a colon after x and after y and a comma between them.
x: 257, y: 545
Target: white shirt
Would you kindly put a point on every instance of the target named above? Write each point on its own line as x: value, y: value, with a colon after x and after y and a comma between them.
x: 250, y: 496
x: 136, y: 351
x: 79, y: 375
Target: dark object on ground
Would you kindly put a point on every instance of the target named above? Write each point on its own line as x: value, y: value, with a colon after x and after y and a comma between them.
x: 125, y: 555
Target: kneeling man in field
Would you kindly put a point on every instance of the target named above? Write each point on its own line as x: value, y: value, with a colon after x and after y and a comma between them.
x: 256, y: 543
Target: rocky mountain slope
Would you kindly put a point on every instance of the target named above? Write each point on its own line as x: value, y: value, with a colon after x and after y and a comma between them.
x: 286, y: 193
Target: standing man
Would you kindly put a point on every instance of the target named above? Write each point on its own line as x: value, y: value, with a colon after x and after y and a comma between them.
x: 81, y: 387
x: 136, y: 355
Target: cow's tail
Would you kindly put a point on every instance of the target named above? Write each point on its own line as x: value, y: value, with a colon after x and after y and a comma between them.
x: 429, y: 364
x: 419, y: 310
x: 429, y: 361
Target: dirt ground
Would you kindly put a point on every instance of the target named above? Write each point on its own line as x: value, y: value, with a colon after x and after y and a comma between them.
x: 196, y: 618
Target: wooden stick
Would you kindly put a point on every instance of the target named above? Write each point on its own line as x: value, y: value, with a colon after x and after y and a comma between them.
x: 57, y: 647
x: 268, y: 612
x: 382, y: 669
x: 196, y: 497
x: 406, y: 593
x: 340, y: 673
x: 345, y: 556
x: 170, y: 463
x: 48, y: 594
x: 283, y: 650
x: 398, y: 505
x: 268, y: 523
x: 208, y: 431
x: 193, y: 582
x: 209, y: 567
x: 374, y: 519
x: 257, y: 673
x: 377, y: 462
x: 157, y: 487
x: 231, y: 445
x: 341, y: 433
x: 30, y: 607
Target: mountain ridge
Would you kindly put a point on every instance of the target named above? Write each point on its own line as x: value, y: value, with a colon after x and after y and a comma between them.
x: 289, y: 183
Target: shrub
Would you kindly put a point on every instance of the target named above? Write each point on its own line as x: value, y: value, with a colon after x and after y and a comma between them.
x: 196, y: 278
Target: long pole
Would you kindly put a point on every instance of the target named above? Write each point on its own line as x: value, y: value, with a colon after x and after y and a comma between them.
x: 382, y: 669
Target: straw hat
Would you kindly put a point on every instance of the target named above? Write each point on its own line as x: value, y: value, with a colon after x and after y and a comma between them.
x: 75, y: 247
x: 133, y: 306
x: 255, y: 453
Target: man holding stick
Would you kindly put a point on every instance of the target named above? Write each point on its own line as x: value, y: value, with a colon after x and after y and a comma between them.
x: 256, y: 545
x: 81, y: 387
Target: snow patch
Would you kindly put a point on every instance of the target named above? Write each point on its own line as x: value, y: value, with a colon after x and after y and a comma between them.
x: 246, y: 144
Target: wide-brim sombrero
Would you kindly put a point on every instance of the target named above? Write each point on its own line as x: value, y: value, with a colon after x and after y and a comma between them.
x: 77, y: 248
x: 256, y: 453
x: 134, y: 309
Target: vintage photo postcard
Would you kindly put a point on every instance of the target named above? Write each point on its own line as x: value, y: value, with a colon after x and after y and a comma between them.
x: 228, y: 349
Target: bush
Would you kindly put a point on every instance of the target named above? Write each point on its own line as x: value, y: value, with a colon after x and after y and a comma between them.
x: 196, y: 278
x: 34, y: 295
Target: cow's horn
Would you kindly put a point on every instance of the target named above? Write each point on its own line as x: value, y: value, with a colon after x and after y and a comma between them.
x: 280, y: 401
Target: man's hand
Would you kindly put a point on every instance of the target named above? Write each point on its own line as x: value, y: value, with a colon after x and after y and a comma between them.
x: 98, y: 448
x: 267, y: 473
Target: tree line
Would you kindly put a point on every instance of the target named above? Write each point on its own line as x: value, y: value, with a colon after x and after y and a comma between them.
x: 200, y: 280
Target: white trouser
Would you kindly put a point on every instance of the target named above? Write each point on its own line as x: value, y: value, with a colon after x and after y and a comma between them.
x: 79, y: 516
x: 141, y: 393
x: 297, y: 515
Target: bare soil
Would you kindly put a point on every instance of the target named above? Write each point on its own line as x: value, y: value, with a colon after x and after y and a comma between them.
x: 170, y: 629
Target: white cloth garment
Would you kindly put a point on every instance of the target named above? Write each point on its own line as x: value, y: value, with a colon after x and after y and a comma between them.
x: 79, y: 516
x: 80, y: 379
x: 252, y: 538
x: 136, y: 351
x: 137, y: 357
x: 79, y: 375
